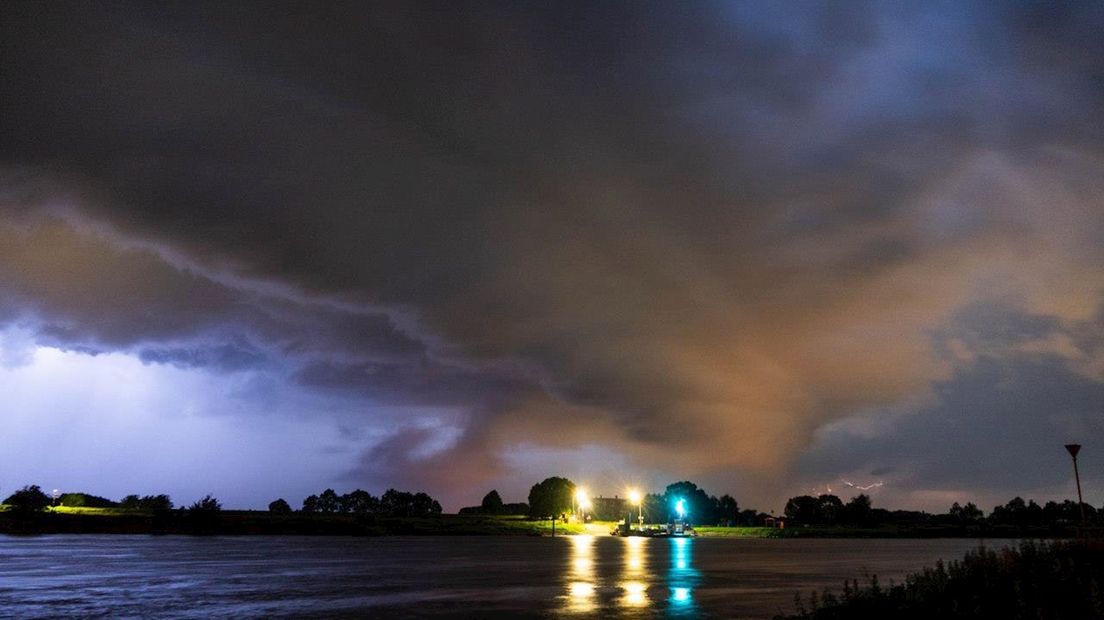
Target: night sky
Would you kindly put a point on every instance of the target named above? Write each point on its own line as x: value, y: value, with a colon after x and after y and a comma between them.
x: 258, y: 250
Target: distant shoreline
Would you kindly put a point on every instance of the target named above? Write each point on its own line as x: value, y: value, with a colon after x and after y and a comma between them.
x: 263, y: 523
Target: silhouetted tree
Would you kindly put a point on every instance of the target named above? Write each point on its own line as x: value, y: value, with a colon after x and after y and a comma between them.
x: 310, y: 504
x: 403, y: 504
x: 492, y: 503
x: 858, y: 511
x: 831, y: 507
x: 749, y: 518
x: 654, y: 507
x: 204, y: 514
x: 395, y: 503
x: 359, y: 502
x: 727, y: 510
x: 822, y: 510
x: 1068, y: 513
x: 28, y: 500
x: 965, y: 514
x: 279, y: 507
x: 328, y: 501
x: 803, y: 509
x: 1017, y: 512
x: 156, y: 503
x: 422, y: 505
x: 551, y: 497
x: 148, y: 503
x: 207, y: 504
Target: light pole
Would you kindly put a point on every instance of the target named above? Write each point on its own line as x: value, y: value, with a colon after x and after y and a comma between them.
x: 1073, y: 449
x: 635, y: 498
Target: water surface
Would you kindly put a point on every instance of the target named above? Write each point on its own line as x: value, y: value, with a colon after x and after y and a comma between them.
x: 337, y: 577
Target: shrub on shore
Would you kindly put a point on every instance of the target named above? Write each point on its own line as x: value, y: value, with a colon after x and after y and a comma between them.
x: 279, y: 507
x: 29, y: 499
x: 1038, y: 580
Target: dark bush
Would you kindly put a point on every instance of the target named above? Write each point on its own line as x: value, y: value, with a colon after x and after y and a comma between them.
x: 147, y: 503
x: 27, y: 500
x: 1034, y: 580
x: 84, y: 500
x: 279, y: 507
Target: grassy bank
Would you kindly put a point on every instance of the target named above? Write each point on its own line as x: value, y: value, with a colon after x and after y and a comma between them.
x: 706, y: 531
x: 67, y: 520
x: 899, y: 531
x: 1061, y: 579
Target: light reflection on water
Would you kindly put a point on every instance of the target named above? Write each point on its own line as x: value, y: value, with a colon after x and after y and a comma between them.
x: 581, y: 582
x: 435, y: 577
x: 682, y: 577
x: 634, y: 575
x: 647, y: 575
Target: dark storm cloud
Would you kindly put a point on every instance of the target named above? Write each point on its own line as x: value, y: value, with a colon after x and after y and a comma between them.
x: 421, y: 382
x: 715, y: 227
x: 86, y: 290
x: 227, y: 357
x: 1018, y: 393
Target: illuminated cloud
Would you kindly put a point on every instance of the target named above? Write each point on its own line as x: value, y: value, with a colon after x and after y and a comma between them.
x: 749, y: 245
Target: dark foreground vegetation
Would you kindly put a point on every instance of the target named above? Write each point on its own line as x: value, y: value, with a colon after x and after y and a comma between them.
x: 1037, y: 580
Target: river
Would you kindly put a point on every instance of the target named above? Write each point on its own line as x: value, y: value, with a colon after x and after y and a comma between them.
x: 477, y: 577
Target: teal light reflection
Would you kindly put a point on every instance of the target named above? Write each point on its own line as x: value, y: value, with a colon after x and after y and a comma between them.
x: 682, y: 577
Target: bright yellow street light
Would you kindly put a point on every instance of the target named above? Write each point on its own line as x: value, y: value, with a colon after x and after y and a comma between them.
x: 635, y: 499
x: 581, y: 502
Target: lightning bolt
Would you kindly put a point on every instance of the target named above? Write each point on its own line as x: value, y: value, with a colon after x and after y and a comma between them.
x: 861, y: 487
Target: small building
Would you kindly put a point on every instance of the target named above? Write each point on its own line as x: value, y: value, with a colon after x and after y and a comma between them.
x: 609, y: 508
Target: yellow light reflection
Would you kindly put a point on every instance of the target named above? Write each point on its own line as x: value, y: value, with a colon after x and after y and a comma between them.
x: 636, y: 594
x: 581, y: 590
x: 581, y: 586
x: 635, y: 577
x: 634, y: 556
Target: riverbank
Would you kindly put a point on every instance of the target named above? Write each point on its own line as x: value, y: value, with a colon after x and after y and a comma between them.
x: 64, y: 520
x: 255, y: 522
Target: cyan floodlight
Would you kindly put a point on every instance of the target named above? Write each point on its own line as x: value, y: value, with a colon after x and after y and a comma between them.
x: 680, y: 508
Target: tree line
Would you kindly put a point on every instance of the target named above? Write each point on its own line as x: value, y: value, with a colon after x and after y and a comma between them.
x: 32, y: 498
x: 829, y: 509
x: 393, y: 503
x: 492, y: 504
x: 555, y: 496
